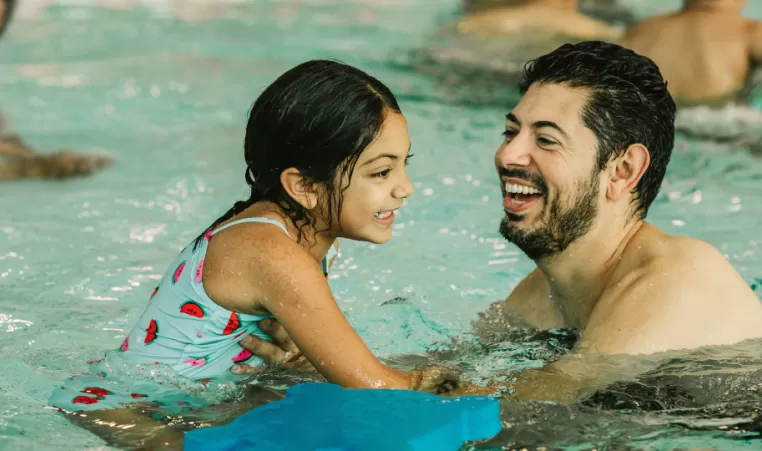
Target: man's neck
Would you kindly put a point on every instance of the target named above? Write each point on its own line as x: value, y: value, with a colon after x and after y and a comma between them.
x: 570, y: 5
x: 713, y: 5
x: 578, y: 276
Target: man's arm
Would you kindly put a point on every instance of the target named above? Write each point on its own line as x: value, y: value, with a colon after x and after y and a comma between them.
x: 569, y: 379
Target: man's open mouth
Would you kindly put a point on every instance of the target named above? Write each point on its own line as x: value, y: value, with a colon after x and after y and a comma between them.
x: 519, y: 197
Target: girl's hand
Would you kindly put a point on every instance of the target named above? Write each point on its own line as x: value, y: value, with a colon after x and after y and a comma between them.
x: 284, y: 353
x: 434, y: 379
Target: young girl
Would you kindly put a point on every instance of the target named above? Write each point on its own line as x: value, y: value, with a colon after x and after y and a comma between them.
x: 326, y: 148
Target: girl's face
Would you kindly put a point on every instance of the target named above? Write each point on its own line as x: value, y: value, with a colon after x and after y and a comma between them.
x: 378, y: 185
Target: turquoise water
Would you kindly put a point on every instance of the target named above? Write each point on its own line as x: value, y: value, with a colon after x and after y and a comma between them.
x: 169, y: 100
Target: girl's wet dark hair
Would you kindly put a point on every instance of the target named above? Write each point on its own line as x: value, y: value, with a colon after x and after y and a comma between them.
x: 318, y: 118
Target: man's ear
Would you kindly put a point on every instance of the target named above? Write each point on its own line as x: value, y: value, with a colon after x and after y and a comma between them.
x: 626, y: 171
x: 299, y: 188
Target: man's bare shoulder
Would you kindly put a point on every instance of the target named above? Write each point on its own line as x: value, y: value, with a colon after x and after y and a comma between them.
x: 673, y: 260
x: 679, y: 293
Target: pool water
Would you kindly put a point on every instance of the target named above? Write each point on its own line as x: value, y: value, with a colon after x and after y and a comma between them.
x: 169, y: 96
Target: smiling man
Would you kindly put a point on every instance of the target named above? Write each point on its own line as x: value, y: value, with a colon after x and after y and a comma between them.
x: 584, y: 155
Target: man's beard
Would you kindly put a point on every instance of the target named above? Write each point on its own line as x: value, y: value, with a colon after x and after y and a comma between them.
x: 563, y: 226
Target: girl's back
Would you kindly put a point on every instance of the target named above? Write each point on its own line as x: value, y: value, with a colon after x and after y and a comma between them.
x: 184, y: 328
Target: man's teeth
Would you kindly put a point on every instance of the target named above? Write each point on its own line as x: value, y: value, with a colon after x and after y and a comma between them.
x: 514, y: 188
x: 384, y: 214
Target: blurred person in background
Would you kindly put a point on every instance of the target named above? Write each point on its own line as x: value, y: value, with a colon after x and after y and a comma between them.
x: 546, y: 17
x: 19, y: 161
x: 706, y: 50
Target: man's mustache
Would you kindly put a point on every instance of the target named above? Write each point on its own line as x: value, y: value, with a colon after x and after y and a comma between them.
x: 534, y: 179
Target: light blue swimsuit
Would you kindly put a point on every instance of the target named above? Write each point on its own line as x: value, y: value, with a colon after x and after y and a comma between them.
x: 181, y: 328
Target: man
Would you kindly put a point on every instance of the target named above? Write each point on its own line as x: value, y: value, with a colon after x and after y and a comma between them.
x: 540, y: 17
x: 705, y: 51
x: 585, y: 153
x: 19, y: 161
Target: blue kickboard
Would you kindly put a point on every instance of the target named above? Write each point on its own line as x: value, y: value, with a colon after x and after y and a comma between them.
x: 326, y: 417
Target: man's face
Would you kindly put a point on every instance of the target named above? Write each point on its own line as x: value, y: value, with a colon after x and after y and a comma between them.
x: 548, y: 171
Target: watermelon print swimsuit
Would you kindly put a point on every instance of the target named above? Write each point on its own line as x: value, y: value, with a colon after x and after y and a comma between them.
x: 181, y: 328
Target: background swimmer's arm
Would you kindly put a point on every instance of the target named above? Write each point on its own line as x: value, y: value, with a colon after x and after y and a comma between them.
x: 299, y: 297
x: 61, y: 165
x: 756, y: 42
x: 14, y: 157
x: 19, y: 161
x: 13, y: 146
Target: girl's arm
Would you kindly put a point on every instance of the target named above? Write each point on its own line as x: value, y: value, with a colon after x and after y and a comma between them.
x: 299, y: 297
x: 271, y: 270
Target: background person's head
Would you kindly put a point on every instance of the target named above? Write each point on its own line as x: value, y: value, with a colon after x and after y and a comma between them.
x: 6, y: 11
x: 327, y: 143
x: 715, y: 5
x: 591, y: 137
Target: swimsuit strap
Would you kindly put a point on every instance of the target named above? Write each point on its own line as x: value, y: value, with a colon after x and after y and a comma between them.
x: 324, y: 263
x: 259, y: 220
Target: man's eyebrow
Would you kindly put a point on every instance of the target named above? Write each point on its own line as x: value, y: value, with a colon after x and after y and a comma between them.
x: 551, y: 124
x: 539, y: 124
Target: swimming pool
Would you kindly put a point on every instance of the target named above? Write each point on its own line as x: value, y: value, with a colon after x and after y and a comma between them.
x: 169, y: 99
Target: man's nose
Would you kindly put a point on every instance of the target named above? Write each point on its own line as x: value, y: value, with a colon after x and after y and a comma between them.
x: 515, y: 152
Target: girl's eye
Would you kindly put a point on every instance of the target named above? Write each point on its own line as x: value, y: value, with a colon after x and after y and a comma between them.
x: 382, y: 174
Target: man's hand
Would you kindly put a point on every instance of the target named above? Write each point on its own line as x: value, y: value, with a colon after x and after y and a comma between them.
x: 281, y: 352
x: 434, y: 379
